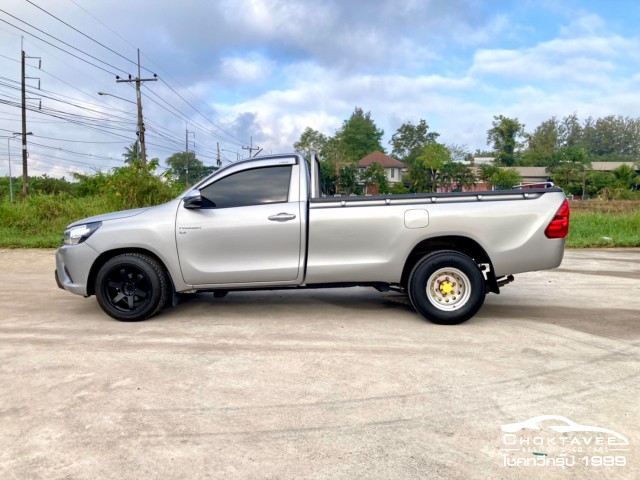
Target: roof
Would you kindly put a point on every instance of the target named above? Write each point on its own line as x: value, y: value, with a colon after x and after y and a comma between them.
x: 482, y: 160
x: 608, y: 166
x: 530, y: 171
x: 382, y: 159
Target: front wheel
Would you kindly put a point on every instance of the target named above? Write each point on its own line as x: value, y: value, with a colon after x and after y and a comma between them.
x: 131, y: 287
x: 446, y: 288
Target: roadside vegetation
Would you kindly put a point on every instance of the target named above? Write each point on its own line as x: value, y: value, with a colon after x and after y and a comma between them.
x: 39, y: 220
x: 564, y: 147
x: 604, y: 223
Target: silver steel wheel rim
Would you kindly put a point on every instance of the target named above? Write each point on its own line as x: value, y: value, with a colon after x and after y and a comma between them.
x: 448, y: 289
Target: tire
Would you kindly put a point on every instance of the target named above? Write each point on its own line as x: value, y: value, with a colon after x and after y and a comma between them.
x: 446, y: 288
x: 131, y: 287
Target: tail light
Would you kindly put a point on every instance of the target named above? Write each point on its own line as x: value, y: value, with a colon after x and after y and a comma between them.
x: 559, y: 226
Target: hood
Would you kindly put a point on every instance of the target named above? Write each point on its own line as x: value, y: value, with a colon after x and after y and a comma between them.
x: 111, y: 216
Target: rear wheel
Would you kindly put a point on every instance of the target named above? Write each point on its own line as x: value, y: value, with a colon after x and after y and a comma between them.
x: 446, y: 287
x: 131, y: 287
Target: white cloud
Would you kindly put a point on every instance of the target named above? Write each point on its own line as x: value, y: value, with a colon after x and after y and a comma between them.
x: 251, y: 69
x: 586, y: 59
x: 269, y: 68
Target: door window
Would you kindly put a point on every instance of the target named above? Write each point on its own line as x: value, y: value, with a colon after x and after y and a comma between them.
x: 258, y: 186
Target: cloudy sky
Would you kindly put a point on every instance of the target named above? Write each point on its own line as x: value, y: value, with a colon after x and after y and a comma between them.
x: 236, y: 71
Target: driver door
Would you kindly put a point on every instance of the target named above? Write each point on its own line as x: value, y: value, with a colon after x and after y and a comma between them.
x: 247, y: 229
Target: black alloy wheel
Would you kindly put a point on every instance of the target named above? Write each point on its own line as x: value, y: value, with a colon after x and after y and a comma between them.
x: 131, y: 287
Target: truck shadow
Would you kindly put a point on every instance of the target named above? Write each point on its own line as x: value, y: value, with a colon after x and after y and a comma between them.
x: 620, y: 324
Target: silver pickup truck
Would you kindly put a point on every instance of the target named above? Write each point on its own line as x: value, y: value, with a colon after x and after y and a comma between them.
x: 264, y: 224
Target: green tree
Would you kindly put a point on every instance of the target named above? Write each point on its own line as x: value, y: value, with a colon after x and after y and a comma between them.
x: 487, y: 171
x: 504, y: 138
x: 482, y: 153
x: 569, y: 168
x: 333, y: 151
x: 570, y: 176
x: 597, y: 181
x: 425, y: 172
x: 347, y: 182
x: 542, y: 144
x: 135, y: 185
x: 374, y: 175
x: 132, y: 153
x: 328, y: 177
x: 398, y: 188
x: 186, y: 168
x: 505, y: 179
x: 570, y: 132
x: 409, y: 139
x: 626, y: 177
x: 457, y: 176
x: 359, y: 136
x: 459, y: 153
x: 49, y: 185
x: 310, y: 141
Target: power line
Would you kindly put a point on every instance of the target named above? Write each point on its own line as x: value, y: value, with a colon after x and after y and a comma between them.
x: 99, y: 121
x: 9, y: 58
x: 80, y: 154
x: 74, y: 141
x: 59, y: 48
x: 84, y: 34
x: 62, y: 41
x: 201, y: 114
x: 107, y: 27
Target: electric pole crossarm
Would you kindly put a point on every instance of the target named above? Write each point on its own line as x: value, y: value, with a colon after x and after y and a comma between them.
x: 138, y: 81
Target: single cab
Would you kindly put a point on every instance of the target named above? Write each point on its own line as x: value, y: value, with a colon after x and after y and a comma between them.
x: 264, y: 224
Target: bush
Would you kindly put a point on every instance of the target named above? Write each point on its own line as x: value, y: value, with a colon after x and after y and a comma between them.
x: 134, y: 186
x: 40, y: 219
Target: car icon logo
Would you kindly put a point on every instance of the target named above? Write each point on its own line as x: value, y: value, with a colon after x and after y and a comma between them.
x: 569, y: 426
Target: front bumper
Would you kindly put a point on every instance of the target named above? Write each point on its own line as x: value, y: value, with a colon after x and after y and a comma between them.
x: 73, y: 267
x: 55, y: 274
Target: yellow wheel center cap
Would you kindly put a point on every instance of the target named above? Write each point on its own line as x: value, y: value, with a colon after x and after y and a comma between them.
x: 446, y: 287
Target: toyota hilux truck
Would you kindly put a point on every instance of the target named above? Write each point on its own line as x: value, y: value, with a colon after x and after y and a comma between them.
x: 263, y: 223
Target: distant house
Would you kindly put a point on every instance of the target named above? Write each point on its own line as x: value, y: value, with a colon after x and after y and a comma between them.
x: 541, y: 175
x: 482, y: 160
x: 393, y: 168
x: 528, y: 174
x: 610, y: 166
x: 533, y: 174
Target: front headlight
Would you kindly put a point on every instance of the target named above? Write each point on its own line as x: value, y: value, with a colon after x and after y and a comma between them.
x: 79, y: 233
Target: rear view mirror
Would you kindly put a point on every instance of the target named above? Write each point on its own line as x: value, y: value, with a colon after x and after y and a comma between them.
x: 193, y: 202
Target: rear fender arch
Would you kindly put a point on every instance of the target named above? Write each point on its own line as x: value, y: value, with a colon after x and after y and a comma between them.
x: 454, y: 243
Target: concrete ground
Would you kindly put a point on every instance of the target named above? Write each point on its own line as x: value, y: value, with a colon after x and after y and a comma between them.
x: 322, y: 384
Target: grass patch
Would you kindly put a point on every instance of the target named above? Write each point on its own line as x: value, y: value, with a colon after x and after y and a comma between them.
x: 595, y: 229
x: 39, y: 221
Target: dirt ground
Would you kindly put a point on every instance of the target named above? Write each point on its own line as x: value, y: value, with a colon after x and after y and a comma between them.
x: 323, y: 384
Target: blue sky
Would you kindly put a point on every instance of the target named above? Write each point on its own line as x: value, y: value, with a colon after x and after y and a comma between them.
x: 266, y: 69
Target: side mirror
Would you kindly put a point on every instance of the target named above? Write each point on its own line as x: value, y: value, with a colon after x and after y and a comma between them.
x: 193, y: 202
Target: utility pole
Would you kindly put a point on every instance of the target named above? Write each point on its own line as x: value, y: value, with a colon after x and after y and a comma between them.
x: 138, y: 81
x: 186, y: 160
x: 25, y: 155
x: 218, y: 161
x: 25, y: 175
x: 251, y: 148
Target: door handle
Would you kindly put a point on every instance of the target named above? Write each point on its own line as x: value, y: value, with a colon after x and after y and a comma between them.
x: 282, y: 217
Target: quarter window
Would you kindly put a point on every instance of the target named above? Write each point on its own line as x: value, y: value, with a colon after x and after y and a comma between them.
x: 258, y: 186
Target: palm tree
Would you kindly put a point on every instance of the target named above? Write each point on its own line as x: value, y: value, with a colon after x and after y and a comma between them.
x: 625, y: 176
x: 132, y: 153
